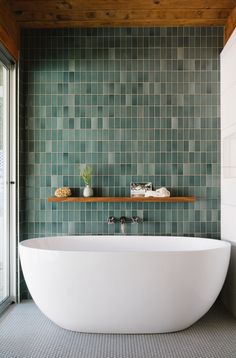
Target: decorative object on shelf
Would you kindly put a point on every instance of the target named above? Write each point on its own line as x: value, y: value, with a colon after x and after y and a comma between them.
x: 139, y: 189
x: 86, y: 175
x: 159, y: 193
x: 88, y: 191
x: 63, y: 192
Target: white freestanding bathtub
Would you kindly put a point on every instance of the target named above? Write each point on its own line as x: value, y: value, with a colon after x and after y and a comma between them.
x: 132, y: 284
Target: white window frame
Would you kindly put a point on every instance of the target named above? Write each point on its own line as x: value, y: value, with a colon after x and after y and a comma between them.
x: 11, y: 114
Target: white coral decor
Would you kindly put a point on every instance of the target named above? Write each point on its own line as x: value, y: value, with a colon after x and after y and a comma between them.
x: 63, y: 192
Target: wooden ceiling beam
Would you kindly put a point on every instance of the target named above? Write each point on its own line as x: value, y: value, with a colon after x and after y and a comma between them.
x: 9, y: 33
x: 57, y: 5
x: 230, y: 24
x: 156, y: 16
x: 137, y: 23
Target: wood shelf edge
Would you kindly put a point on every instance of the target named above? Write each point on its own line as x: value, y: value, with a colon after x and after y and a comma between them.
x: 94, y: 199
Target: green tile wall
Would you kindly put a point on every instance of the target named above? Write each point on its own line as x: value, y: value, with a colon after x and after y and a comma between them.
x: 138, y: 104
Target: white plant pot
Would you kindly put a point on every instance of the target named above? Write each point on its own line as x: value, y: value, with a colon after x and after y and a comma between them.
x: 88, y: 191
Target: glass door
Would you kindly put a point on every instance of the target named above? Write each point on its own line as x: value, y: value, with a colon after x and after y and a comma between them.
x: 4, y: 185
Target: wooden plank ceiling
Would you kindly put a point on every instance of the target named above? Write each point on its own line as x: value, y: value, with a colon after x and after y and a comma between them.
x: 97, y: 13
x: 230, y: 24
x: 9, y: 33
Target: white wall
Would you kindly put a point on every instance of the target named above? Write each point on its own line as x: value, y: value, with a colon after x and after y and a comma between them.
x: 228, y: 164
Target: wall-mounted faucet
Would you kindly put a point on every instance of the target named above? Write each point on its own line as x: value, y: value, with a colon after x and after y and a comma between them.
x: 123, y: 220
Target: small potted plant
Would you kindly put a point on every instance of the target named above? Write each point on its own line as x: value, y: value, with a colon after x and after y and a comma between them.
x: 86, y: 175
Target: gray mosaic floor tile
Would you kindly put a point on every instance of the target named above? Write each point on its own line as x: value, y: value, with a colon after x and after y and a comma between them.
x: 26, y: 333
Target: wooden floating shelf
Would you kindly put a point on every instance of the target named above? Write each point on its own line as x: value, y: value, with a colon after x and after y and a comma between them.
x: 104, y: 199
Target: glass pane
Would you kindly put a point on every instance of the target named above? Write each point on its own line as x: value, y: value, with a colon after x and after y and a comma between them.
x: 4, y: 241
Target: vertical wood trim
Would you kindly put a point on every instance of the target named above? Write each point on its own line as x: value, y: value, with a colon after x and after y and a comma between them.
x: 230, y: 24
x: 9, y: 32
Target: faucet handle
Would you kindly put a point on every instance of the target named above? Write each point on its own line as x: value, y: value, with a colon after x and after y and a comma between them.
x: 136, y: 220
x: 111, y: 220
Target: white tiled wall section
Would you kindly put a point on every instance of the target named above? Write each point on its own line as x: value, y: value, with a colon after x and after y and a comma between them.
x: 228, y: 164
x: 228, y: 140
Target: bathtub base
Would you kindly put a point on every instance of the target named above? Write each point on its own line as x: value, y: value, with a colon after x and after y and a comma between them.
x: 143, y: 329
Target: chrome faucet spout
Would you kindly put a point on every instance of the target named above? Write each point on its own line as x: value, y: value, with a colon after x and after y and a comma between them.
x: 123, y: 219
x: 122, y: 228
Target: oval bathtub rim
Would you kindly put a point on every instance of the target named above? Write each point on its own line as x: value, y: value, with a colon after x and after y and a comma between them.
x: 224, y: 244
